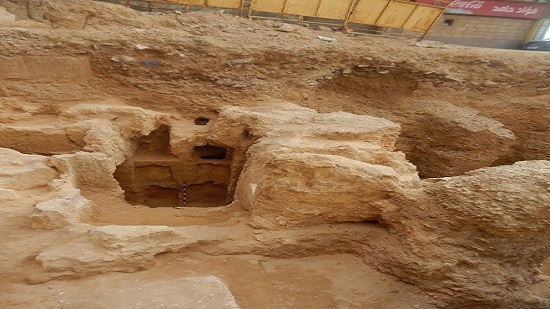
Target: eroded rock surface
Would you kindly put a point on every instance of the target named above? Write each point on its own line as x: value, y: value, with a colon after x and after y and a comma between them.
x: 480, y: 232
x: 69, y: 208
x: 22, y: 172
x: 444, y: 139
x: 287, y: 170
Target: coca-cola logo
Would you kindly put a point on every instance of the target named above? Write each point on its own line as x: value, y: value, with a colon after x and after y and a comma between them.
x: 467, y: 4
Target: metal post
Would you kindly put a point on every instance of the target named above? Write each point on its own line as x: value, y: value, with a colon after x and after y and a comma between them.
x: 251, y: 8
x: 241, y: 8
x: 433, y: 23
x: 318, y: 7
x: 383, y: 11
x: 410, y: 15
x: 351, y: 10
x: 284, y: 7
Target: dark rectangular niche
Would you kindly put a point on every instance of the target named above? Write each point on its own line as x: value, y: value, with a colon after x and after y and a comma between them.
x: 211, y: 152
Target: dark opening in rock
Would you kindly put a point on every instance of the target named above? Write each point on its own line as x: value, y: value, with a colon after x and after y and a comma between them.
x: 210, y: 152
x: 202, y: 121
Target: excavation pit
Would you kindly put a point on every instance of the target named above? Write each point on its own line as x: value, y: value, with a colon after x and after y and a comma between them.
x: 198, y: 176
x: 322, y: 201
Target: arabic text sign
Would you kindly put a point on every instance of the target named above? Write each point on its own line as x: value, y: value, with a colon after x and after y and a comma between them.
x: 492, y: 8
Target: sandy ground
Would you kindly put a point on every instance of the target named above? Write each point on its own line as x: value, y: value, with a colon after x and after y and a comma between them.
x: 324, y: 281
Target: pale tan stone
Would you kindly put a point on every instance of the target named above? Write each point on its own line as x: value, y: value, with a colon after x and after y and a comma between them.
x: 70, y: 208
x: 21, y: 172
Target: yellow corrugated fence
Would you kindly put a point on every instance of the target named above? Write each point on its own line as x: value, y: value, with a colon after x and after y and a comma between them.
x: 383, y: 13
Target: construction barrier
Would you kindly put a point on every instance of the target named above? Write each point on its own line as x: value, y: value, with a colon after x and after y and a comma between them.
x: 227, y: 4
x: 333, y: 9
x: 395, y: 14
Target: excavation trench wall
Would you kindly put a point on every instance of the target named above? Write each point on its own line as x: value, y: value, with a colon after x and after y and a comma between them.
x: 441, y: 137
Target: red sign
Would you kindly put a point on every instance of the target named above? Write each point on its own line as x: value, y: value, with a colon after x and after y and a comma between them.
x: 492, y: 8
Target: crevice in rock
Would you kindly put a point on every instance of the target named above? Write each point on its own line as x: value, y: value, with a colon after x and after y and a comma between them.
x: 375, y: 223
x: 201, y: 121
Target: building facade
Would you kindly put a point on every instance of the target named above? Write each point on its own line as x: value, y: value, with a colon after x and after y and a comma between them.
x: 496, y: 24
